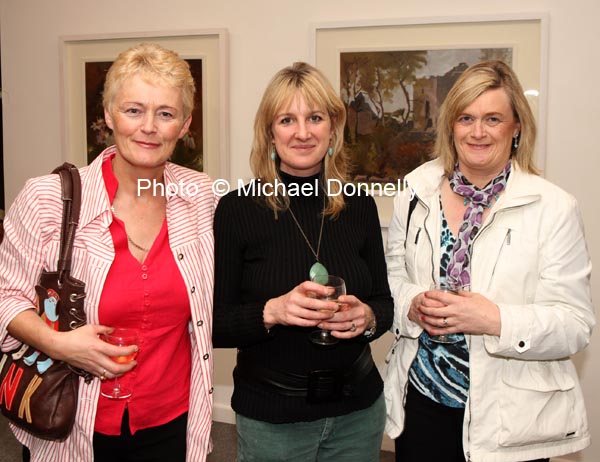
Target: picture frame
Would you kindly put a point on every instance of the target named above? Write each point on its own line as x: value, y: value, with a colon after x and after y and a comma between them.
x: 525, y: 34
x: 206, y: 49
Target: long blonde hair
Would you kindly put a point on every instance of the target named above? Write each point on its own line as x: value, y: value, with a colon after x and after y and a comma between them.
x: 477, y: 79
x: 313, y: 86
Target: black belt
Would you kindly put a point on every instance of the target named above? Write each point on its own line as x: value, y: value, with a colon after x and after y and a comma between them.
x: 318, y: 386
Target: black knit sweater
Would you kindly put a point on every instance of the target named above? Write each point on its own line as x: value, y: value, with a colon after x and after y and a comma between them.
x: 259, y: 257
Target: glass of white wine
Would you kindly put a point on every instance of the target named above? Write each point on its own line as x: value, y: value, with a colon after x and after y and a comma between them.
x: 322, y: 336
x: 120, y: 337
x: 453, y: 288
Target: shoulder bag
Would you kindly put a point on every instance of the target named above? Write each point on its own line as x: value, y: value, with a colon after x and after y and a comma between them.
x: 38, y: 393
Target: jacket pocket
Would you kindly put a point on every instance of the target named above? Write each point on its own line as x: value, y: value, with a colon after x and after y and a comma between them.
x: 536, y: 403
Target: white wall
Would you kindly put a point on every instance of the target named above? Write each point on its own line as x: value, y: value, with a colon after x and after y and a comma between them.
x: 266, y: 35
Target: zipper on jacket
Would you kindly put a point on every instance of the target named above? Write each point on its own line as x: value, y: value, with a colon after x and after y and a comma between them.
x: 468, y: 448
x: 417, y: 236
x: 491, y: 222
x: 429, y: 237
x: 507, y: 240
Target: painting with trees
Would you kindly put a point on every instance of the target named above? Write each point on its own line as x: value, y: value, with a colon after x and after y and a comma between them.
x: 392, y: 99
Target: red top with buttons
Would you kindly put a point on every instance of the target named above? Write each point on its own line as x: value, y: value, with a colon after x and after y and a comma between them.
x: 152, y: 298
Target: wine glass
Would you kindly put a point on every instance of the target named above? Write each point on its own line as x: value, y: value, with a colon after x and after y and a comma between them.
x: 453, y: 288
x: 120, y: 337
x: 322, y: 336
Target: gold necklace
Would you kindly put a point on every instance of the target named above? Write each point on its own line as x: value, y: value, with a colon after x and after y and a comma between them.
x: 317, y: 272
x: 137, y: 246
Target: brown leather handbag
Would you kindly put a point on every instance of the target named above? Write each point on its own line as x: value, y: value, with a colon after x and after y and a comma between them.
x: 38, y: 393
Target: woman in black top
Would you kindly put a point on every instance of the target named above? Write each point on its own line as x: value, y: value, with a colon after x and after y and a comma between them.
x: 296, y: 400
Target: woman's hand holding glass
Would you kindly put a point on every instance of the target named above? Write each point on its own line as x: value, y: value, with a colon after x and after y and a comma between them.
x: 351, y: 320
x: 84, y: 348
x: 336, y: 288
x: 126, y: 341
x: 300, y: 306
x: 442, y: 313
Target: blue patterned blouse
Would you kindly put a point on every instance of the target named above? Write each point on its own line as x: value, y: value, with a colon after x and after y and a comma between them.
x: 441, y: 370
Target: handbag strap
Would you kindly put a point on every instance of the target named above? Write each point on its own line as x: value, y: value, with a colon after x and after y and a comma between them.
x: 71, y: 197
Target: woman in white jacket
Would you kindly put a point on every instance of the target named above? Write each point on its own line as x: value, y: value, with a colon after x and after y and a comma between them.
x: 504, y: 389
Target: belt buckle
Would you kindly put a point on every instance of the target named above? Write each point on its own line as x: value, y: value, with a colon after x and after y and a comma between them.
x: 324, y: 385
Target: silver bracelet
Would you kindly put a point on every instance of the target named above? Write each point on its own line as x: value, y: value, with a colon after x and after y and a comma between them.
x: 371, y: 330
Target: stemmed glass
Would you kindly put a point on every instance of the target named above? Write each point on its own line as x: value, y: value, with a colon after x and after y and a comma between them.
x: 322, y: 336
x: 120, y: 337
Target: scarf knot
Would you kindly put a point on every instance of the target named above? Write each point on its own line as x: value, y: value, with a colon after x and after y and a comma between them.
x: 459, y: 267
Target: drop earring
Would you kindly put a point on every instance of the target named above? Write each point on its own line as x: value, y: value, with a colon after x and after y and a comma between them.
x: 330, y: 151
x: 273, y: 154
x: 516, y: 141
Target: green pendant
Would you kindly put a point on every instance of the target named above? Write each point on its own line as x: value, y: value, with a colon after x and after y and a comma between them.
x: 318, y: 273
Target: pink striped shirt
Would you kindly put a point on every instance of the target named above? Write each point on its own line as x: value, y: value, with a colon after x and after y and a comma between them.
x: 31, y: 243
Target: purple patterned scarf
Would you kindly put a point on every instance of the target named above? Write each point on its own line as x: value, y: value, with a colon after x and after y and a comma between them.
x: 459, y: 267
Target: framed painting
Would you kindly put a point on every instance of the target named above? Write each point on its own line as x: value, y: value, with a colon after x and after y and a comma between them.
x: 393, y: 77
x: 85, y: 62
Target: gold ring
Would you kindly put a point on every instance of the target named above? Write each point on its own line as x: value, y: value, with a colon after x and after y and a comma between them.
x: 445, y: 322
x: 103, y: 375
x: 353, y: 328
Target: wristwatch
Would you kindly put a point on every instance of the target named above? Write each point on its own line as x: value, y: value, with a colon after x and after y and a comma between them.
x: 371, y: 330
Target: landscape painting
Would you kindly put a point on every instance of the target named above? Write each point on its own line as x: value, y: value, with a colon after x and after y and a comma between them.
x: 392, y: 100
x: 188, y: 151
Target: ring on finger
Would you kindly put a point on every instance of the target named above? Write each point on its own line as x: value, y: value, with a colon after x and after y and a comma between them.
x: 445, y: 322
x: 103, y: 375
x: 353, y: 328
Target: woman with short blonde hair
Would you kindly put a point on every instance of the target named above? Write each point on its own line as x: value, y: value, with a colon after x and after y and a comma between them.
x: 146, y: 260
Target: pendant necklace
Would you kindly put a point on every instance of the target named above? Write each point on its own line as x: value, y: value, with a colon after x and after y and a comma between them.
x: 137, y: 246
x: 317, y: 272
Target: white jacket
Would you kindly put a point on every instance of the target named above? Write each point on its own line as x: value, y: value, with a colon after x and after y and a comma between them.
x: 530, y: 258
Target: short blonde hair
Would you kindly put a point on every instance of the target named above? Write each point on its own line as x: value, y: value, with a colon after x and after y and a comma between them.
x: 474, y: 81
x: 156, y: 64
x: 304, y: 79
